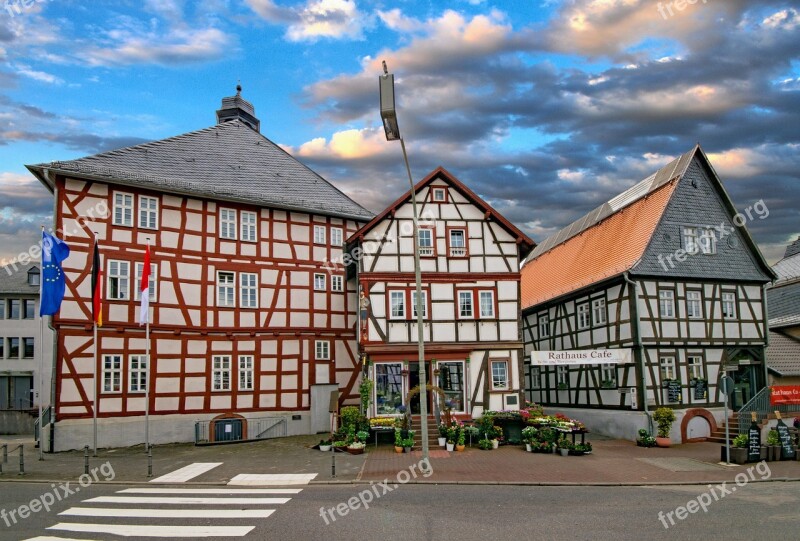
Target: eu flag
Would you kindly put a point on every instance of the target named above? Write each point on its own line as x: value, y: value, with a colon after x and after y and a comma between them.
x: 54, y: 251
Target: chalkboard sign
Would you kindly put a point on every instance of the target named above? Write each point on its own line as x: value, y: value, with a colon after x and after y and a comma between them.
x: 700, y: 388
x: 754, y: 445
x: 674, y: 391
x: 787, y: 451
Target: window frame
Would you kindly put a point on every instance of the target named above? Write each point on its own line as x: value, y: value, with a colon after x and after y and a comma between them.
x: 733, y: 304
x: 426, y: 251
x: 608, y: 372
x: 220, y: 368
x: 119, y: 278
x: 397, y: 294
x: 228, y: 224
x: 705, y: 234
x: 109, y: 385
x: 337, y: 233
x: 229, y: 287
x: 690, y: 366
x: 246, y: 369
x: 131, y: 208
x: 413, y: 303
x: 140, y: 371
x: 470, y: 294
x: 320, y: 234
x: 690, y: 239
x: 337, y: 283
x: 662, y: 300
x: 249, y: 288
x: 451, y: 249
x: 583, y: 310
x: 690, y: 301
x: 322, y: 350
x: 599, y: 306
x: 439, y: 189
x: 248, y: 232
x: 664, y: 368
x: 493, y: 304
x: 504, y: 363
x: 535, y: 376
x: 320, y: 281
x: 152, y: 282
x: 23, y: 347
x: 562, y: 376
x: 25, y: 305
x: 543, y: 321
x: 149, y: 213
x: 14, y: 344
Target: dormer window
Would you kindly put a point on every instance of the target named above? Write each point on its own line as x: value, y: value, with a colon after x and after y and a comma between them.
x: 34, y: 277
x: 439, y: 195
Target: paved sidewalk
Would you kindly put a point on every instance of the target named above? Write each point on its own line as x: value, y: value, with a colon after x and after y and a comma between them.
x: 612, y: 462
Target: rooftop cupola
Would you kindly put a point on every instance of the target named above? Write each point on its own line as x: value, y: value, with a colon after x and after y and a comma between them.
x: 236, y: 107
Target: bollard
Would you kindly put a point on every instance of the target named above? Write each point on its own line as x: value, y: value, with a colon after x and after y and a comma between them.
x: 86, y: 459
x: 149, y: 461
x: 333, y: 464
x: 21, y: 460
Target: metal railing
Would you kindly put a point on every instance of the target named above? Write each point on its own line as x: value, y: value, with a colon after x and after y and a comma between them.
x: 760, y: 405
x: 232, y: 429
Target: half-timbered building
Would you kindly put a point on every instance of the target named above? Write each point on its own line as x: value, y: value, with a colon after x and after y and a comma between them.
x: 783, y: 301
x: 469, y: 259
x: 246, y: 318
x: 667, y: 274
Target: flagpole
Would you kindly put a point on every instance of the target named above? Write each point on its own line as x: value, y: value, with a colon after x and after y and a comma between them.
x: 147, y: 356
x: 94, y: 377
x: 41, y: 354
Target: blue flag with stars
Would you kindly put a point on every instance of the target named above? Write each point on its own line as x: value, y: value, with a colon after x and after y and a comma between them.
x: 54, y: 251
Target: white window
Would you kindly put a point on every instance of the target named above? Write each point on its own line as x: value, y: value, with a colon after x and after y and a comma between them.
x: 221, y: 373
x: 486, y: 303
x: 245, y: 372
x: 137, y: 373
x: 424, y: 304
x: 544, y: 326
x: 397, y: 304
x: 667, y: 363
x: 337, y: 283
x: 226, y: 285
x: 458, y: 246
x: 425, y: 241
x: 249, y: 226
x: 729, y: 305
x: 319, y: 234
x: 536, y: 377
x: 562, y: 376
x: 112, y: 373
x: 248, y: 290
x: 695, y: 363
x: 499, y: 375
x: 599, y: 312
x: 608, y: 375
x: 322, y: 350
x: 319, y: 282
x: 708, y: 241
x: 148, y: 212
x: 439, y: 194
x: 694, y: 304
x: 336, y: 237
x: 123, y: 209
x: 151, y: 283
x: 227, y: 224
x: 465, y: 304
x: 666, y: 303
x: 690, y: 240
x: 118, y: 278
x: 584, y: 321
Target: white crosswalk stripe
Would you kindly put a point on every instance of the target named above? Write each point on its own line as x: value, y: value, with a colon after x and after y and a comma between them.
x: 166, y: 513
x: 132, y: 530
x: 187, y: 472
x: 272, y: 479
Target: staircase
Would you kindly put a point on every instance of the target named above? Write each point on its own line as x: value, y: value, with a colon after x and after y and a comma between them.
x: 433, y: 432
x: 718, y: 436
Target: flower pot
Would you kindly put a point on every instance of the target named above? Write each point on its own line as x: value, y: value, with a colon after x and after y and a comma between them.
x: 738, y: 455
x: 408, y: 449
x: 398, y: 449
x: 495, y: 444
x: 564, y: 452
x: 358, y: 451
x: 325, y: 448
x: 775, y: 452
x: 764, y: 452
x: 663, y: 442
x: 528, y: 447
x: 442, y: 442
x: 450, y: 446
x: 460, y: 447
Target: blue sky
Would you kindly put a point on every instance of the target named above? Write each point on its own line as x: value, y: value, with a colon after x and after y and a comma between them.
x: 545, y: 108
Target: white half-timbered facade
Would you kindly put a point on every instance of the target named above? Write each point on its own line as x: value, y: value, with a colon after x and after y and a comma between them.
x: 469, y: 258
x: 245, y: 317
x: 667, y: 274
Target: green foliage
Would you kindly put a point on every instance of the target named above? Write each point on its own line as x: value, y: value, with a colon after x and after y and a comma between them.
x: 584, y: 447
x: 773, y: 438
x: 362, y: 435
x: 353, y: 420
x: 529, y: 434
x: 741, y: 441
x: 365, y: 390
x: 564, y: 443
x: 664, y: 417
x: 485, y: 444
x: 645, y: 439
x: 408, y: 442
x: 460, y: 439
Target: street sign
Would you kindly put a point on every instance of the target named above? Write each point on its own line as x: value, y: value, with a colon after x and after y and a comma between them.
x: 726, y: 385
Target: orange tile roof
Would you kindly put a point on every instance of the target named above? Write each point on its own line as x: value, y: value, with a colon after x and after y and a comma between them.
x: 606, y: 249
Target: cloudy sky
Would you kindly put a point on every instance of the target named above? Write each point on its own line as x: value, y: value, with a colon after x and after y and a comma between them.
x: 546, y: 108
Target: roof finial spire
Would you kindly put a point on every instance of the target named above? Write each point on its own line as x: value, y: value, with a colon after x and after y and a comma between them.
x: 239, y: 87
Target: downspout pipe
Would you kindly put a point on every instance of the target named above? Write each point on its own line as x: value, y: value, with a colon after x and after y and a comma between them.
x: 639, y: 351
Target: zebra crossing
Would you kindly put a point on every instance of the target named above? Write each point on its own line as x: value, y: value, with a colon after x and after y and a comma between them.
x: 152, y: 511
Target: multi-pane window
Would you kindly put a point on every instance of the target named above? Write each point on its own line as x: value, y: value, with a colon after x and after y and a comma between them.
x: 319, y: 282
x: 245, y: 372
x: 221, y: 373
x: 28, y: 309
x: 389, y: 394
x: 13, y: 348
x: 151, y: 282
x: 499, y: 375
x: 227, y: 224
x: 708, y: 241
x: 486, y: 299
x: 112, y: 373
x: 137, y: 373
x: 337, y: 283
x: 118, y: 272
x: 424, y: 304
x: 249, y: 226
x: 425, y: 241
x: 248, y: 290
x: 536, y: 377
x: 694, y: 304
x: 729, y: 305
x: 336, y: 237
x: 599, y: 312
x: 608, y: 375
x: 397, y: 304
x: 465, y: 304
x: 584, y: 321
x: 319, y: 234
x: 544, y: 326
x: 667, y: 364
x: 13, y: 308
x: 458, y: 243
x: 123, y: 209
x: 322, y: 350
x: 562, y: 376
x: 148, y: 212
x: 27, y: 348
x: 439, y: 194
x: 226, y: 286
x: 666, y: 303
x: 690, y: 240
x: 34, y: 277
x: 695, y: 364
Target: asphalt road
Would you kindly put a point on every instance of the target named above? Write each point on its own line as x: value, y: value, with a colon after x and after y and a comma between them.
x: 447, y: 512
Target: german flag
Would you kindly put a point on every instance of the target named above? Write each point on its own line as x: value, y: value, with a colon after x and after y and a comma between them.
x: 97, y: 287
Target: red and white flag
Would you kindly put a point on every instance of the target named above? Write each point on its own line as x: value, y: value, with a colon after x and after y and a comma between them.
x: 144, y: 289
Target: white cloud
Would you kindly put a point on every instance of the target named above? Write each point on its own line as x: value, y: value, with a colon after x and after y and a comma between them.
x: 345, y: 145
x: 177, y: 46
x: 36, y: 75
x: 333, y: 19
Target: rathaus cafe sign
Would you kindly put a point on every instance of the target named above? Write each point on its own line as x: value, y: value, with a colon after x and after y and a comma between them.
x: 581, y: 356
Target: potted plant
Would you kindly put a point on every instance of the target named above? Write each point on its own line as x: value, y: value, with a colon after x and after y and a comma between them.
x: 460, y: 441
x: 645, y: 439
x: 739, y: 449
x: 325, y: 445
x: 581, y: 449
x: 356, y: 447
x: 485, y: 444
x: 565, y: 446
x: 408, y: 444
x: 774, y: 444
x: 452, y: 436
x: 664, y: 417
x: 398, y: 441
x: 442, y: 434
x: 529, y: 434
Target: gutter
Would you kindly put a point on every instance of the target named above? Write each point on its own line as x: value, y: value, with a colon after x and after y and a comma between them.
x: 639, y: 348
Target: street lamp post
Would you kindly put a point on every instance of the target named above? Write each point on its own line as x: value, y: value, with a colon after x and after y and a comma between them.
x: 389, y: 118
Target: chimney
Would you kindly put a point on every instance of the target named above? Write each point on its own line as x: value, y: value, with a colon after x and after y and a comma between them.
x: 236, y: 107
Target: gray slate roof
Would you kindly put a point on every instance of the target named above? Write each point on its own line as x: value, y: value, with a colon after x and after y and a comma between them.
x: 783, y: 354
x: 788, y: 268
x: 783, y: 305
x: 793, y: 248
x: 14, y: 280
x: 228, y: 161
